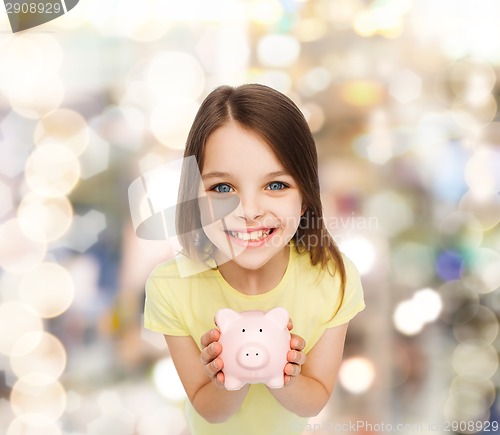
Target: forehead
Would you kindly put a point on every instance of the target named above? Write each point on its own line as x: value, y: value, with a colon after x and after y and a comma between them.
x: 232, y: 147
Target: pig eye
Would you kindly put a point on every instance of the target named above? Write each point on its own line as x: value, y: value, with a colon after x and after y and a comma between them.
x: 260, y: 330
x: 243, y: 330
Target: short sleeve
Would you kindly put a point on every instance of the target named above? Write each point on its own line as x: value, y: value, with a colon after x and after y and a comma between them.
x: 353, y: 301
x: 161, y: 311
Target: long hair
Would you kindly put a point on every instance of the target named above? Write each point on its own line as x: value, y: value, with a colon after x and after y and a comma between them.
x: 279, y: 122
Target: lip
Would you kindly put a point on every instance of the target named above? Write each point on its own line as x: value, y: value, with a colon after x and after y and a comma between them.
x: 250, y: 230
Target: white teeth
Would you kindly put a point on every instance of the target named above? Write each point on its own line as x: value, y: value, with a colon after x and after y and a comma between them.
x: 254, y: 235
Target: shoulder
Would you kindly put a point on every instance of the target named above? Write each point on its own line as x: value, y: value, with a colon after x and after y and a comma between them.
x: 351, y: 271
x: 352, y: 301
x: 178, y: 274
x: 326, y: 281
x: 302, y: 261
x: 179, y: 267
x: 165, y: 269
x: 166, y: 275
x: 162, y: 275
x: 158, y: 282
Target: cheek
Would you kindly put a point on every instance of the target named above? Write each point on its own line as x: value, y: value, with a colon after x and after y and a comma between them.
x: 289, y: 215
x: 206, y: 214
x: 293, y: 223
x: 290, y: 207
x: 210, y: 211
x: 214, y: 208
x: 208, y: 224
x: 215, y: 235
x: 213, y: 232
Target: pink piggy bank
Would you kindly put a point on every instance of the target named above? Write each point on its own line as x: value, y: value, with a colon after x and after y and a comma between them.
x: 254, y: 346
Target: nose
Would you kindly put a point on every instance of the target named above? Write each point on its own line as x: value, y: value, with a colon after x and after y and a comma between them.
x: 250, y: 207
x: 252, y: 356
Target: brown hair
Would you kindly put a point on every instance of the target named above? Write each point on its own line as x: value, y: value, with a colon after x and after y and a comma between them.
x: 279, y: 122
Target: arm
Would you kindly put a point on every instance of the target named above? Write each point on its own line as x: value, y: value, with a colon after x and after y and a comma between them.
x: 207, y: 395
x: 308, y: 387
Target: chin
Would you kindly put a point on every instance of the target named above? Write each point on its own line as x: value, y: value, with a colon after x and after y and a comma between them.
x: 254, y: 263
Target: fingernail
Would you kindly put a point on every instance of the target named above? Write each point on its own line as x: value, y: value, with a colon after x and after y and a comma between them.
x: 212, y: 333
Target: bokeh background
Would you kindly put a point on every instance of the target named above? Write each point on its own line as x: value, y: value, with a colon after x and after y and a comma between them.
x: 402, y: 97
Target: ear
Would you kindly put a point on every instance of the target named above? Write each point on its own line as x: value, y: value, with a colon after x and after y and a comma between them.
x: 279, y: 315
x: 224, y: 317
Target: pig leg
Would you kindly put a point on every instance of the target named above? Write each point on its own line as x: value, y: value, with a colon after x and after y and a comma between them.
x: 232, y: 383
x: 276, y: 382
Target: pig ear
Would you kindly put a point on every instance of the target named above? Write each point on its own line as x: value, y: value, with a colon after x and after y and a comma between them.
x: 278, y: 315
x: 224, y: 317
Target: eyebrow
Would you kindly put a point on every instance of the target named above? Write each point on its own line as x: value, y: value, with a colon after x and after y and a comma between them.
x: 217, y: 174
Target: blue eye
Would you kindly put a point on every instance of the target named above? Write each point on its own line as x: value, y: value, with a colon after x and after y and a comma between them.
x: 222, y: 188
x: 276, y: 185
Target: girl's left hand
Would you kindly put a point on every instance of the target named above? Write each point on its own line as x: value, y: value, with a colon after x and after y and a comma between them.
x: 296, y: 358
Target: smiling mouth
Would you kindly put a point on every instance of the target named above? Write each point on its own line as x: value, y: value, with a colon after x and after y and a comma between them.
x: 252, y: 235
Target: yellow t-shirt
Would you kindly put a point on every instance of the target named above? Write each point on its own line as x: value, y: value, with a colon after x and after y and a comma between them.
x: 186, y: 307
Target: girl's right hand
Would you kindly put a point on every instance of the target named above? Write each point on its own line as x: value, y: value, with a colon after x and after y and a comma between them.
x: 211, y: 350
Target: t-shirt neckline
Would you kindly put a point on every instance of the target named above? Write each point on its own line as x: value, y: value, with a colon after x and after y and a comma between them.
x: 277, y: 289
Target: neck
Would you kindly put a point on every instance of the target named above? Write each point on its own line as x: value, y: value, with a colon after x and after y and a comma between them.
x: 256, y: 281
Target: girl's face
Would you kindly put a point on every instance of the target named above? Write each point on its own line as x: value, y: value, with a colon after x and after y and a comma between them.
x: 237, y: 162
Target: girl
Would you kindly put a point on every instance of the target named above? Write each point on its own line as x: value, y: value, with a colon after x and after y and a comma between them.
x: 271, y: 248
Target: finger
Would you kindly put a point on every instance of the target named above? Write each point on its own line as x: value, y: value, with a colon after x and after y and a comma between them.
x: 214, y: 367
x: 210, y: 352
x: 297, y: 342
x: 209, y: 337
x: 290, y: 324
x: 219, y: 379
x: 292, y: 370
x: 296, y: 357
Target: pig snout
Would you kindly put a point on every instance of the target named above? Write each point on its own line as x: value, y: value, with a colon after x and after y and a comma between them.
x: 253, y: 356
